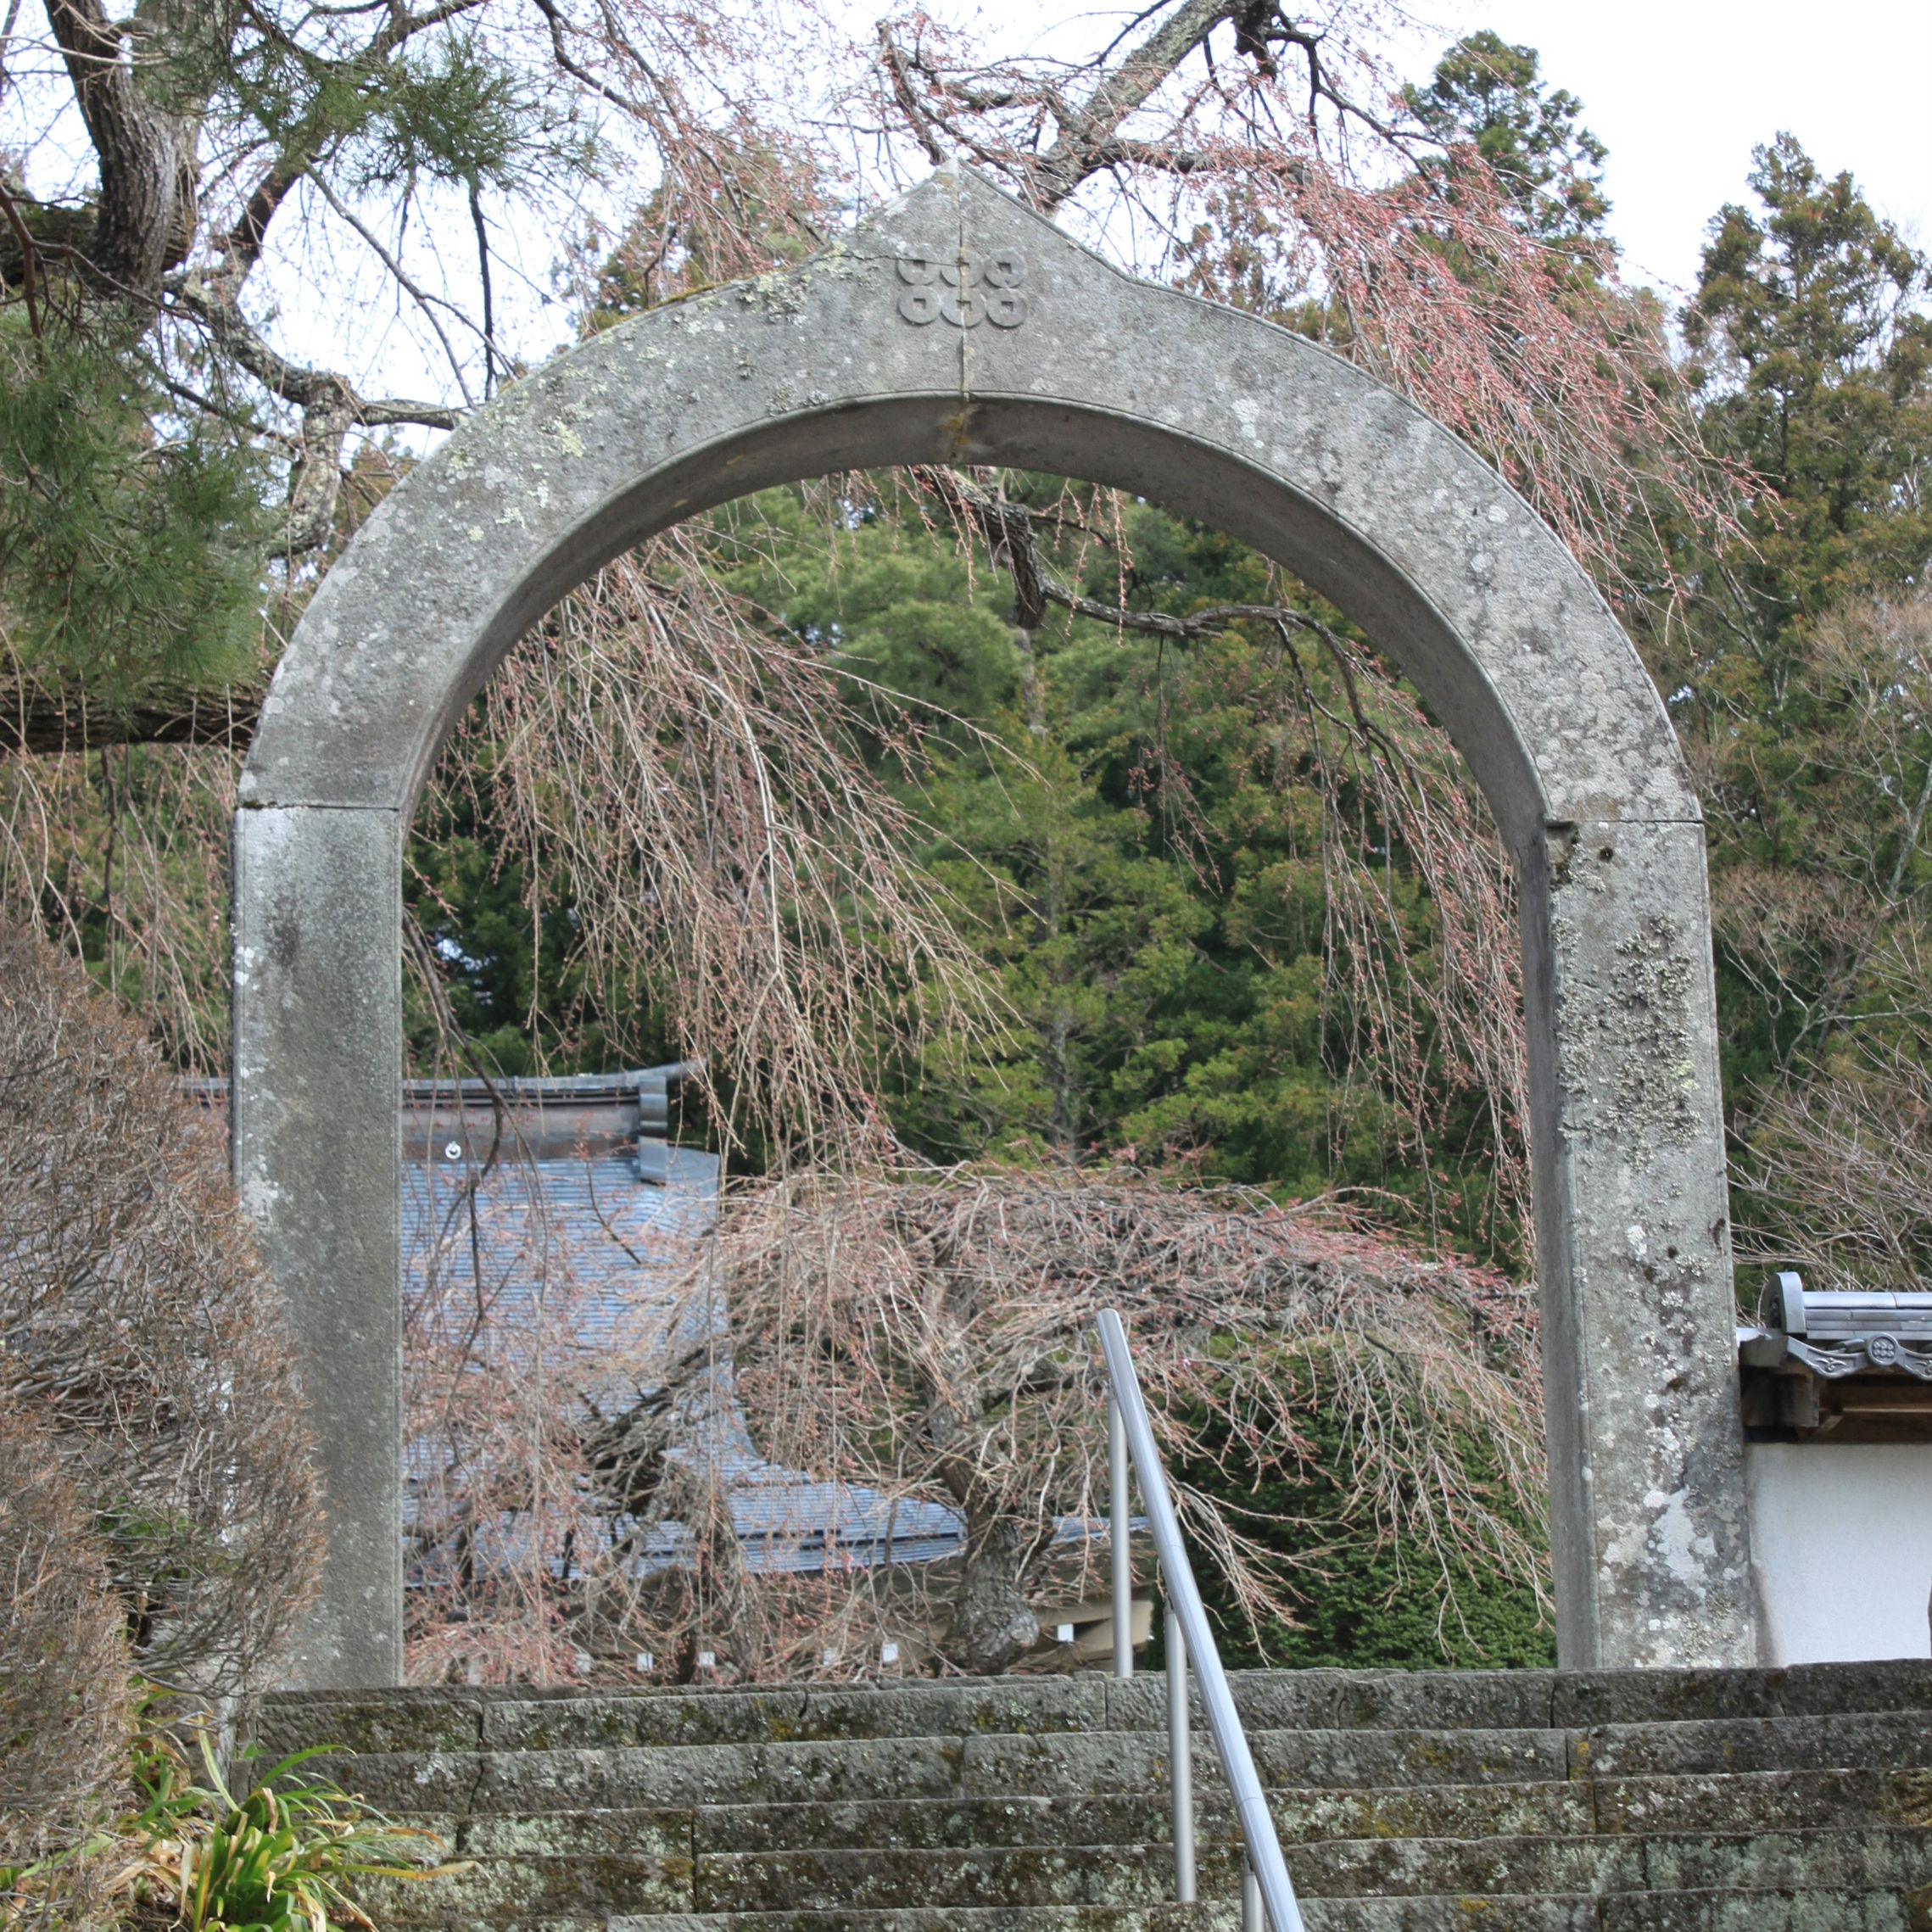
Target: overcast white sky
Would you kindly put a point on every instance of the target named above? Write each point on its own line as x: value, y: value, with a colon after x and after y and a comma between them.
x: 1681, y: 91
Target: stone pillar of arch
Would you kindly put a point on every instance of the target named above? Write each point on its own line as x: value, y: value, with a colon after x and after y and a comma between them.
x: 953, y: 325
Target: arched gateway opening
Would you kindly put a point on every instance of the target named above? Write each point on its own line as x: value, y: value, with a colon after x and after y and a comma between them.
x: 954, y: 326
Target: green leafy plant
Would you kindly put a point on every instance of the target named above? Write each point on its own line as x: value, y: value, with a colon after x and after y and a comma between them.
x: 278, y: 1859
x: 285, y: 1857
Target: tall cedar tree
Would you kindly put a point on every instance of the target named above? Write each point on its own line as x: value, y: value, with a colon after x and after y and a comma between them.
x: 1813, y: 359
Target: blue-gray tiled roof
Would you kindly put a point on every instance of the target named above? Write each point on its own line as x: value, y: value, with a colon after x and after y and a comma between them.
x: 599, y: 1256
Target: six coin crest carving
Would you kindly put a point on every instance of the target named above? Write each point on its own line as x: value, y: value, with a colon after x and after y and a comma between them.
x: 965, y: 289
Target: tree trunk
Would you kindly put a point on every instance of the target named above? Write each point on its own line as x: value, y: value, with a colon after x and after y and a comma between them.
x: 145, y: 223
x: 53, y: 716
x: 993, y: 1626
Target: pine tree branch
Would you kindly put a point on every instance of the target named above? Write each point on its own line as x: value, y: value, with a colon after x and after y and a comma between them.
x: 330, y: 408
x: 42, y: 717
x: 242, y: 246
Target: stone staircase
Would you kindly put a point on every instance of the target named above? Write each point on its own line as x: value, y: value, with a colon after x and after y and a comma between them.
x: 1793, y: 1800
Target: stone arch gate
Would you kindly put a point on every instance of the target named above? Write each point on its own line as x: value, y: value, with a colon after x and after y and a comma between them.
x: 953, y: 324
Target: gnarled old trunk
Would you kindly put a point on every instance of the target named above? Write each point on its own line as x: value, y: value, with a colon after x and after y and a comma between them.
x: 993, y: 1626
x: 144, y: 130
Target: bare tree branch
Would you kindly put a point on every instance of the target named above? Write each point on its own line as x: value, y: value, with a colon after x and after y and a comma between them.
x: 290, y: 381
x: 1009, y: 530
x: 425, y: 302
x: 1082, y: 149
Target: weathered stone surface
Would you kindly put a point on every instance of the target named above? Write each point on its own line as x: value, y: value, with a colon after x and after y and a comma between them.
x: 1500, y: 1914
x: 318, y: 1150
x: 1744, y: 1800
x: 1073, y: 368
x: 514, y: 1892
x: 1374, y: 1867
x: 1811, y: 1819
x: 1467, y: 1867
x: 1647, y: 1459
x: 1414, y: 1700
x: 1873, y: 1859
x: 960, y: 1919
x: 838, y: 1879
x: 1326, y: 1759
x: 1811, y: 1909
x: 431, y: 1785
x: 667, y: 1836
x: 1605, y: 1697
x: 1850, y: 1740
x: 808, y: 1714
x: 1436, y: 1811
x: 704, y: 1774
x: 456, y: 1718
x: 936, y: 1824
x: 1815, y: 1910
x: 396, y: 1721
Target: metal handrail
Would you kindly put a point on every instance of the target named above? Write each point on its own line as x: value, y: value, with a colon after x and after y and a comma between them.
x: 1130, y: 1436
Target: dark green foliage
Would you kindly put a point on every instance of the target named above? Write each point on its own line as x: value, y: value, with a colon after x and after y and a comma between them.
x: 132, y: 536
x: 1128, y: 829
x: 445, y: 107
x: 1813, y: 361
x: 507, y: 956
x: 454, y: 113
x: 1363, y: 1602
x: 1128, y: 826
x: 127, y: 542
x: 1487, y: 91
x: 1816, y: 358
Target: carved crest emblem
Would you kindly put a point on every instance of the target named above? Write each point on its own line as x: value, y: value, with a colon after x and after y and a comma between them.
x: 964, y: 288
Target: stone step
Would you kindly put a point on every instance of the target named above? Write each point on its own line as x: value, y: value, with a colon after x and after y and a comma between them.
x: 1740, y: 1803
x: 587, y: 1882
x: 1453, y: 1810
x: 1731, y: 1803
x: 1143, y: 1874
x: 1076, y: 1765
x: 1063, y: 1765
x: 1322, y: 1700
x: 1891, y: 1741
x: 1169, y: 1918
x: 1747, y: 1800
x: 959, y: 1918
x: 1693, y: 1801
x: 1817, y: 1910
x: 1810, y: 1909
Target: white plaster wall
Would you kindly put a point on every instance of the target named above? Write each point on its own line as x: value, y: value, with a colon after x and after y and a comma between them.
x: 1841, y: 1549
